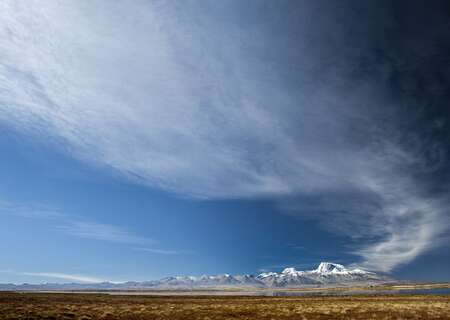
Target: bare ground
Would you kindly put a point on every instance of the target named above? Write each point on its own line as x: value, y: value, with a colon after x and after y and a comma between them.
x: 103, y: 306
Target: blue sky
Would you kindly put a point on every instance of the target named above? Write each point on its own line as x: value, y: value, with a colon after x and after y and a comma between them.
x: 145, y: 139
x: 64, y: 217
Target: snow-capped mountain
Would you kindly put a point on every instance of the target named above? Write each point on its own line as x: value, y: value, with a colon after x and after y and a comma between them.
x: 326, y: 273
x: 328, y: 267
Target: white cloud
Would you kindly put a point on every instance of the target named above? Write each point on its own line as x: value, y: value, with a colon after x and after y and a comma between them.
x: 57, y: 275
x: 84, y: 229
x: 36, y: 211
x: 100, y: 231
x: 410, y: 224
x: 74, y: 226
x: 126, y: 99
x: 181, y: 105
x: 163, y: 251
x: 64, y: 276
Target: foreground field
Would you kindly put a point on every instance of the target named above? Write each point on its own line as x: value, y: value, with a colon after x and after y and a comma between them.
x: 102, y: 306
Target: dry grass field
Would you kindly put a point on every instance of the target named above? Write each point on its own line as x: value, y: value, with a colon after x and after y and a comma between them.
x: 103, y: 306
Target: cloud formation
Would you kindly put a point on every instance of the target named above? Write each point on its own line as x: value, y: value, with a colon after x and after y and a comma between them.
x: 90, y: 230
x: 73, y: 226
x: 207, y: 103
x: 100, y: 231
x: 64, y: 276
x: 36, y: 211
x: 163, y: 251
x: 57, y: 275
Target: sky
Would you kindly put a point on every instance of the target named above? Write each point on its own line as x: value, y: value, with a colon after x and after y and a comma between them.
x: 144, y: 139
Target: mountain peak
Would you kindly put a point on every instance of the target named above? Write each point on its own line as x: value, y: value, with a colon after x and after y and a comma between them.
x: 289, y: 271
x: 329, y: 267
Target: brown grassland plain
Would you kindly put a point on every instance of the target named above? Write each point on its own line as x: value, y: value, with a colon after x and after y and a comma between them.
x: 103, y: 306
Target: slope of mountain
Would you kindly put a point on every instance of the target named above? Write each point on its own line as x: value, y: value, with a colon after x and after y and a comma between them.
x: 326, y: 273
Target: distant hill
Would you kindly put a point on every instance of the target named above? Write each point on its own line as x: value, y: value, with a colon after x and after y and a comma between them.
x: 326, y: 273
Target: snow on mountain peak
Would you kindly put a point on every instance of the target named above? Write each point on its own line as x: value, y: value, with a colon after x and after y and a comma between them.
x: 328, y: 267
x: 267, y: 275
x: 289, y: 271
x: 327, y: 273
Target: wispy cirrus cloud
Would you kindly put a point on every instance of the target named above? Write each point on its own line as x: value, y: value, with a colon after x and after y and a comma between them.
x: 211, y: 114
x: 103, y: 232
x: 82, y: 229
x: 164, y: 252
x: 75, y: 226
x: 57, y: 275
x: 35, y: 211
x: 64, y: 276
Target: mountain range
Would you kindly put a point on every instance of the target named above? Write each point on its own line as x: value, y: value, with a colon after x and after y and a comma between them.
x: 326, y: 273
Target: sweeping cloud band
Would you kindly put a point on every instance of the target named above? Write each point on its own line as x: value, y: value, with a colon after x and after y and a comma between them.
x: 162, y: 95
